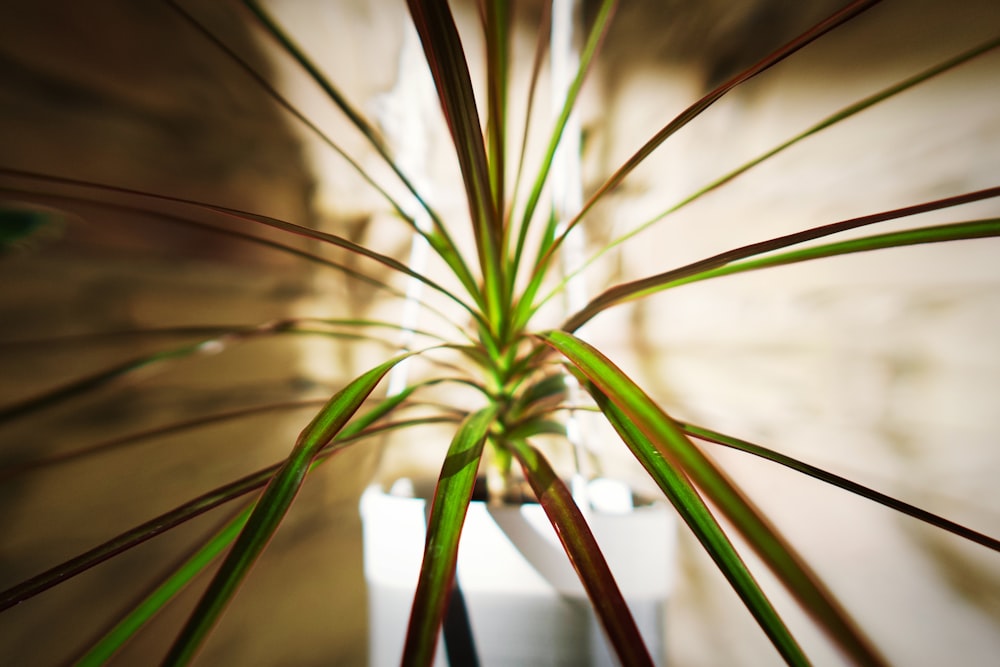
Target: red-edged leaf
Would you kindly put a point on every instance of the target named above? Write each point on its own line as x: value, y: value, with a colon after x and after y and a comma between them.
x: 446, y: 59
x: 839, y: 18
x: 846, y: 484
x: 584, y: 554
x: 671, y: 443
x: 682, y: 494
x: 236, y: 214
x: 723, y: 263
x: 448, y: 509
x: 270, y: 510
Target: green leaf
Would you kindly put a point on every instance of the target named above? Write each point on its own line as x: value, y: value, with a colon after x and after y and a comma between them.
x: 203, y: 503
x: 446, y: 58
x: 541, y: 47
x: 131, y: 538
x: 108, y: 376
x: 838, y: 18
x: 244, y: 216
x: 671, y: 443
x: 723, y: 263
x: 531, y: 427
x: 830, y: 121
x: 497, y: 21
x: 116, y: 637
x: 306, y: 63
x: 598, y: 30
x: 84, y: 385
x: 270, y: 510
x: 439, y: 239
x: 843, y: 483
x: 585, y: 554
x: 951, y: 232
x: 685, y: 498
x: 448, y: 509
x: 595, y: 37
x: 539, y: 398
x: 527, y: 305
x: 273, y: 92
x: 139, y: 615
x: 350, y: 272
x: 11, y: 470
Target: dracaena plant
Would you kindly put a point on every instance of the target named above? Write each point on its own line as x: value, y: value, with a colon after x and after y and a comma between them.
x: 515, y: 371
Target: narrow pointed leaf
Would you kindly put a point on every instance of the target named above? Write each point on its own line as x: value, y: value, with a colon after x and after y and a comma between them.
x: 828, y: 122
x: 443, y: 50
x: 13, y: 470
x: 763, y: 537
x: 273, y: 92
x: 585, y: 555
x: 133, y: 537
x: 724, y: 263
x: 111, y: 642
x: 951, y: 232
x: 595, y: 38
x: 306, y: 63
x: 270, y: 510
x: 532, y: 427
x: 254, y: 218
x: 448, y: 509
x: 348, y: 271
x: 98, y: 380
x: 843, y: 483
x: 183, y: 513
x: 692, y: 509
x: 110, y: 335
x: 439, y: 239
x: 497, y: 28
x: 171, y: 519
x: 120, y: 371
x: 541, y: 47
x: 840, y: 17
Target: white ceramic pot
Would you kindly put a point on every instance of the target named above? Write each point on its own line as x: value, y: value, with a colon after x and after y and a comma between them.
x: 525, y: 603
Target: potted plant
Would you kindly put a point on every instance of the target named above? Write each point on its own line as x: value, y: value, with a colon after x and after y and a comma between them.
x: 517, y: 371
x: 512, y: 578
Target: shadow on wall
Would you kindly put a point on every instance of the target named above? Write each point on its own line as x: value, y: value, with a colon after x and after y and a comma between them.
x: 128, y: 94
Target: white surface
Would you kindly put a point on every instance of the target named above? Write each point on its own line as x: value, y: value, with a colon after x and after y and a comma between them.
x: 523, y: 588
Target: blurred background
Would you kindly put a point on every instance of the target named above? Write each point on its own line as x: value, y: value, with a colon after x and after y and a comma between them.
x: 883, y: 368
